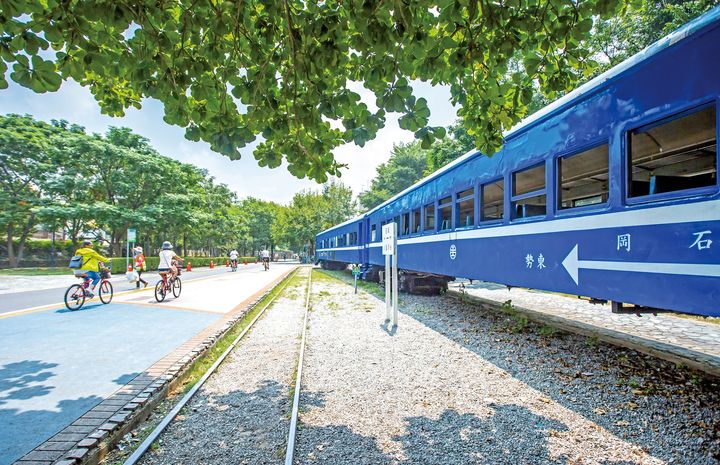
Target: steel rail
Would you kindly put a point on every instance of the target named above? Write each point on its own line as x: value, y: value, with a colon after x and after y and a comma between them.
x: 290, y: 451
x: 145, y: 445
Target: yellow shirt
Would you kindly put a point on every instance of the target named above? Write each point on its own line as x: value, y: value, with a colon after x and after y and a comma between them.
x: 90, y: 259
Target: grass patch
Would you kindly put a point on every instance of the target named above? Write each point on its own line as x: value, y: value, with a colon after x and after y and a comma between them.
x: 548, y: 331
x: 36, y: 271
x: 521, y: 321
x: 347, y: 278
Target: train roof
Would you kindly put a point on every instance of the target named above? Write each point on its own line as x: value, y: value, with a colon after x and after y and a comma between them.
x: 344, y: 223
x: 573, y: 97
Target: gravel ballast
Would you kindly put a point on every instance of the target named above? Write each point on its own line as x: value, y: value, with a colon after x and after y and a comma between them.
x: 240, y: 415
x: 455, y: 384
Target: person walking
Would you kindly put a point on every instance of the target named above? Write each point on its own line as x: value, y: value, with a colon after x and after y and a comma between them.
x: 140, y: 265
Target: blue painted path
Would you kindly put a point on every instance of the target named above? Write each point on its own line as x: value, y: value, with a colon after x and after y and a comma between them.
x: 55, y: 365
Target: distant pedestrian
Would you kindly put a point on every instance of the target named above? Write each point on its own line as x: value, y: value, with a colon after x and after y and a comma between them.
x: 140, y: 265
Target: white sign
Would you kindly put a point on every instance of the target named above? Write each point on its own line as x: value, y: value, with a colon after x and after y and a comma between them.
x: 389, y: 235
x: 131, y: 235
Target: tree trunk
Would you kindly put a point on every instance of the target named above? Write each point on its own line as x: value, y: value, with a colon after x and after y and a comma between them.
x: 23, y: 239
x: 10, y: 248
x: 185, y: 245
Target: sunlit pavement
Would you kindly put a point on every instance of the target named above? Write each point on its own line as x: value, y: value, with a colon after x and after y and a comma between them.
x: 18, y: 293
x: 55, y: 364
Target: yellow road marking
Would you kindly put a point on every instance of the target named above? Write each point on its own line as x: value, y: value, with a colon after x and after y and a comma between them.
x: 171, y: 307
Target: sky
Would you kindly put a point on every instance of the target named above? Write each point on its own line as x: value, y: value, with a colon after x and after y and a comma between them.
x: 77, y: 105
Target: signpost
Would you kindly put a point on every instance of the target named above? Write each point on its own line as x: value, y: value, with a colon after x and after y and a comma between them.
x: 389, y: 249
x: 131, y: 237
x: 356, y: 272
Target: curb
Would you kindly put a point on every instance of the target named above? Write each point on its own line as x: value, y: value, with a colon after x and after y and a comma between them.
x: 672, y: 353
x: 89, y: 438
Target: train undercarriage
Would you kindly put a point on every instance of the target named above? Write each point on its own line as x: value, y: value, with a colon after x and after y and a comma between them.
x: 412, y: 282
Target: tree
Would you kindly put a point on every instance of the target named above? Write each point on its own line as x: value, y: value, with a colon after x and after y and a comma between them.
x: 230, y: 72
x: 24, y: 166
x: 310, y: 212
x: 258, y: 217
x: 405, y: 167
x: 57, y: 176
x: 299, y: 222
x: 338, y: 204
x: 616, y: 39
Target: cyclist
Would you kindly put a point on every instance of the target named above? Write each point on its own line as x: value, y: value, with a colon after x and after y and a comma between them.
x: 167, y: 256
x: 233, y: 257
x: 265, y: 256
x: 90, y: 265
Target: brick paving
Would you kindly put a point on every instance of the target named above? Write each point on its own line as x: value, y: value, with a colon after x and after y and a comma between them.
x: 688, y: 341
x: 81, y: 441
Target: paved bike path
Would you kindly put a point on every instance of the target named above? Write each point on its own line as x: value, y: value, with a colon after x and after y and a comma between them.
x: 55, y: 365
x: 22, y: 299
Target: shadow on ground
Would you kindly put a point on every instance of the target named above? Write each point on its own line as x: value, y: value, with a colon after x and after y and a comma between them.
x: 232, y: 428
x: 25, y: 419
x: 637, y: 392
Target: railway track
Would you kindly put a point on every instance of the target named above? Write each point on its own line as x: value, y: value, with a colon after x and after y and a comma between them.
x: 137, y: 456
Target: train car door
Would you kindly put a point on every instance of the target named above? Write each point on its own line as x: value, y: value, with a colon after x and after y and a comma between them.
x: 363, y: 237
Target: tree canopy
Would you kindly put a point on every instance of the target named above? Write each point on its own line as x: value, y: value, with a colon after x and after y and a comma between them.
x: 311, y: 212
x: 287, y: 73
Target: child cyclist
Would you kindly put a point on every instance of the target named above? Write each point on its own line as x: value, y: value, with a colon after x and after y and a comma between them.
x: 90, y: 264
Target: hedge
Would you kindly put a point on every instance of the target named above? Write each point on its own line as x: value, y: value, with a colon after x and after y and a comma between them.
x: 40, y: 248
x: 118, y: 263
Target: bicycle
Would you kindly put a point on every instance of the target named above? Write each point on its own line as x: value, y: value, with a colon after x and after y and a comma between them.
x: 167, y: 285
x: 266, y: 263
x: 76, y: 294
x: 233, y: 265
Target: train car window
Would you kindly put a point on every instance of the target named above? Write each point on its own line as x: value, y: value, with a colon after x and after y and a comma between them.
x: 430, y: 217
x: 397, y: 226
x: 673, y: 154
x: 465, y: 209
x: 529, y: 192
x: 445, y: 214
x: 583, y: 178
x: 373, y: 232
x: 492, y: 200
x: 416, y: 222
x: 406, y: 224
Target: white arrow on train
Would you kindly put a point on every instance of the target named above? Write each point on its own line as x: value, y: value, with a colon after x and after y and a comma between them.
x: 572, y: 264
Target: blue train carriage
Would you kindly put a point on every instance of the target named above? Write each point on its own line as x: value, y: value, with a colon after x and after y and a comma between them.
x: 610, y: 192
x: 340, y: 245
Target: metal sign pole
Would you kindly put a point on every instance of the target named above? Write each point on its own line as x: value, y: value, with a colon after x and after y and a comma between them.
x: 389, y: 249
x: 388, y: 276
x: 395, y: 286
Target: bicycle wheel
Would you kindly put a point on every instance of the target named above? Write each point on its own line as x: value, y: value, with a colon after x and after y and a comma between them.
x: 177, y: 287
x: 74, y: 297
x: 106, y: 292
x: 160, y: 291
